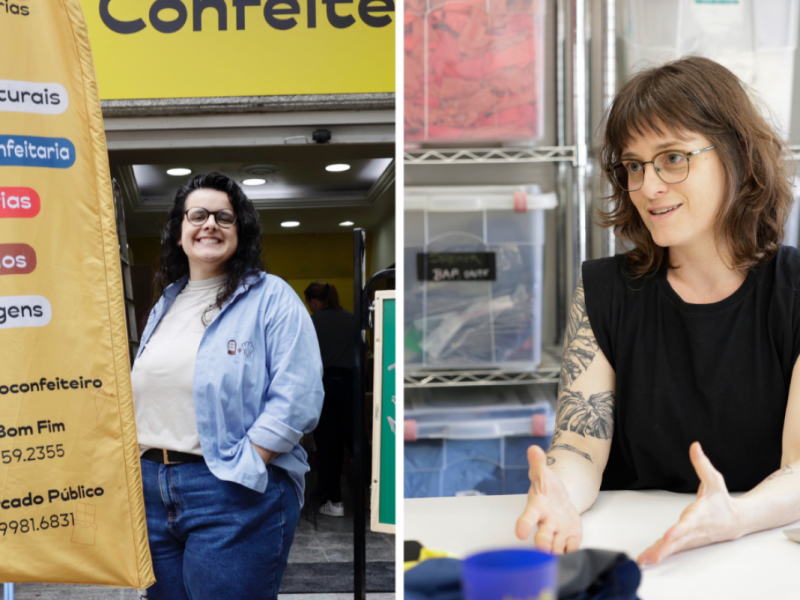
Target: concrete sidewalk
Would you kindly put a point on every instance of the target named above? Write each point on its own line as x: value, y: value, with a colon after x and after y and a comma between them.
x: 52, y: 591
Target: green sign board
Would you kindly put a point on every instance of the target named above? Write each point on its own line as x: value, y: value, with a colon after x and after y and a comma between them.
x: 384, y: 415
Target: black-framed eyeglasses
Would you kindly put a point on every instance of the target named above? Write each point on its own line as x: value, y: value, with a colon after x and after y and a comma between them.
x: 198, y: 216
x: 672, y: 166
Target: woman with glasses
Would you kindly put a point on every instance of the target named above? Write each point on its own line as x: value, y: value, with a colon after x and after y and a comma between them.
x: 227, y: 380
x: 680, y: 359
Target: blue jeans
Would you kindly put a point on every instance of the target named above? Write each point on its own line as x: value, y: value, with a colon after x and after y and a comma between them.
x: 216, y: 539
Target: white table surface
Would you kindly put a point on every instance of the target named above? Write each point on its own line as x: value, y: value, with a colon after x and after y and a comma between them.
x: 764, y: 565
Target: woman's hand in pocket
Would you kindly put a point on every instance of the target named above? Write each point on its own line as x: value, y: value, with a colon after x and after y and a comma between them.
x: 266, y: 455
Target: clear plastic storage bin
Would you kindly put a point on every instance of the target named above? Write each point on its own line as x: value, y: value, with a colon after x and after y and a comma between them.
x: 756, y: 39
x: 475, y: 323
x: 474, y: 70
x: 475, y: 451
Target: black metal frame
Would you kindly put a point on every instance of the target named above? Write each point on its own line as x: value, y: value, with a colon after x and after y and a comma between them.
x: 362, y: 292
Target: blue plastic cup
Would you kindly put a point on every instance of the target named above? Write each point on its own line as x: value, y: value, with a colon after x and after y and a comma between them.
x: 517, y: 574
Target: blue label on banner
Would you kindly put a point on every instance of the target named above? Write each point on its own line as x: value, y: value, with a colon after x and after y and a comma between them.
x: 30, y: 151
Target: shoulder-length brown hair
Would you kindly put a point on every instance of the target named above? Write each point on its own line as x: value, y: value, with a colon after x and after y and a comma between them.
x: 699, y: 95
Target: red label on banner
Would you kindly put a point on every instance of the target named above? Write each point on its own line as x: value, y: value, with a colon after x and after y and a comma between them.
x: 18, y: 203
x: 17, y: 259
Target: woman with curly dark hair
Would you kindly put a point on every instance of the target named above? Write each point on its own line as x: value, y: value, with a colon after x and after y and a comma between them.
x: 680, y: 366
x: 227, y: 380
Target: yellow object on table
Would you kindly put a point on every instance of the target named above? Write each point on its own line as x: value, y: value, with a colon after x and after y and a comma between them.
x: 425, y: 554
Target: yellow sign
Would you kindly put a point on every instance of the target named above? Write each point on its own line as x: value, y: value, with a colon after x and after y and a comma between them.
x: 71, y: 507
x: 214, y: 48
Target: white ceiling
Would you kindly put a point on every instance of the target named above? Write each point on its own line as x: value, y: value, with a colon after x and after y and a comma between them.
x: 298, y: 189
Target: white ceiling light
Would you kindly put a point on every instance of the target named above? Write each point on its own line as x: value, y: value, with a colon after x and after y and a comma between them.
x: 346, y: 223
x: 178, y: 172
x: 337, y: 168
x: 290, y: 223
x: 254, y: 182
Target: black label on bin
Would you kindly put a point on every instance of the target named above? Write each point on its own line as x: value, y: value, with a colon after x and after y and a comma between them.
x: 456, y: 266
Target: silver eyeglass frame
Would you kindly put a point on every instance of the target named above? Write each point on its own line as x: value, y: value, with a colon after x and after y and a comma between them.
x: 688, y: 156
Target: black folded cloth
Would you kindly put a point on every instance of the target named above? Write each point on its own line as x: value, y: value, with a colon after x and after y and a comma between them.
x: 582, y: 575
x: 597, y: 575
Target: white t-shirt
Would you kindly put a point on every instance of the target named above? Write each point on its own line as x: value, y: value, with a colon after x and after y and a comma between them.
x: 162, y: 376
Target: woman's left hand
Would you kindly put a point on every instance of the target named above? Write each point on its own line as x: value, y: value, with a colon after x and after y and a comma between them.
x: 266, y: 455
x: 712, y: 518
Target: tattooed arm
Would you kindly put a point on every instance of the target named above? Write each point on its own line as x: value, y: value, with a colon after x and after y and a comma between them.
x: 566, y: 482
x: 585, y: 415
x: 717, y: 517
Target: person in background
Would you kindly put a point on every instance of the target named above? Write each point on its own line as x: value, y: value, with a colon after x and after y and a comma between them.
x: 227, y: 379
x: 335, y: 331
x: 680, y: 367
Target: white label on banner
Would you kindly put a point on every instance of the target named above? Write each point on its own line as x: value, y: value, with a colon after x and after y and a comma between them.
x: 24, y: 311
x: 30, y: 97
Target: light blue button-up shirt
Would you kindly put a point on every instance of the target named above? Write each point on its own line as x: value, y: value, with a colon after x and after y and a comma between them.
x: 257, y: 378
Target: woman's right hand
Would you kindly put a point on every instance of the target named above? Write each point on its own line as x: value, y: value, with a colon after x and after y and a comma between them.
x: 550, y: 508
x: 266, y: 455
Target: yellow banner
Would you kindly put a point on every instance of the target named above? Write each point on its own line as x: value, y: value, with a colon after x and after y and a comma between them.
x: 71, y: 507
x: 212, y: 48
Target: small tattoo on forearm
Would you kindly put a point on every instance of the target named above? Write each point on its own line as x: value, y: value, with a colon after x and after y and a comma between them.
x: 787, y: 470
x: 571, y: 449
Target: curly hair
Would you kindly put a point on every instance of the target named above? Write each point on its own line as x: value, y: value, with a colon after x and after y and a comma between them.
x: 245, y: 262
x: 698, y: 95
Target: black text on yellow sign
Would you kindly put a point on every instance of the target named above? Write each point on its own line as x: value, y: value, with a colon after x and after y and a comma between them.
x: 170, y: 16
x: 15, y: 9
x: 71, y: 505
x: 159, y: 49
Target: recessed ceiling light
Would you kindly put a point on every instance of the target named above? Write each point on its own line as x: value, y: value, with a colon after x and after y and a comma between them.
x: 178, y: 172
x: 254, y: 182
x: 337, y: 168
x: 290, y: 223
x: 346, y: 223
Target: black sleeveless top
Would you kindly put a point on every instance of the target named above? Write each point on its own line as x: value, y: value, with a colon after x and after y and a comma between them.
x: 716, y: 373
